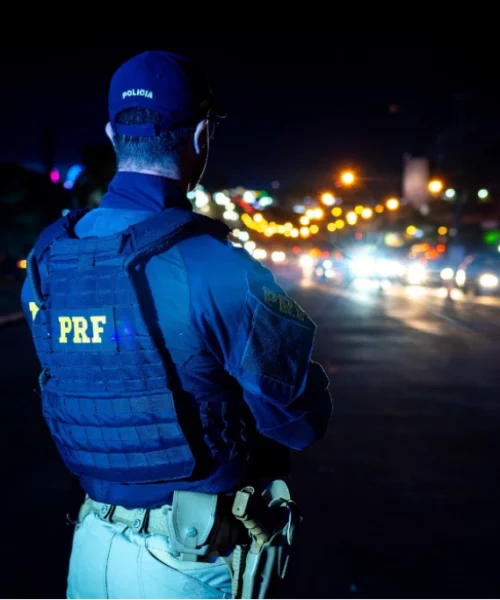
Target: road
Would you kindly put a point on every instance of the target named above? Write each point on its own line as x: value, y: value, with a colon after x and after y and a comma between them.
x: 402, y: 497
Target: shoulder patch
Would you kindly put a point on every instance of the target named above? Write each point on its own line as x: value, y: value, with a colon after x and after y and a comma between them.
x: 275, y: 298
x: 281, y: 335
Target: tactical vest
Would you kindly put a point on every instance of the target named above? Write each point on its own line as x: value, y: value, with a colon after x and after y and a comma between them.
x: 108, y: 390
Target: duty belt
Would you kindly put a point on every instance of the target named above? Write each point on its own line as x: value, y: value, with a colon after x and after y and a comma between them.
x: 140, y: 520
x: 197, y: 526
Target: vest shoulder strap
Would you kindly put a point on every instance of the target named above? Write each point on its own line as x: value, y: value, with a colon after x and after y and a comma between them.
x: 61, y: 228
x: 162, y: 232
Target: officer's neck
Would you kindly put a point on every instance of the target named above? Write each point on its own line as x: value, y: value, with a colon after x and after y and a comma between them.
x: 145, y: 190
x: 173, y: 175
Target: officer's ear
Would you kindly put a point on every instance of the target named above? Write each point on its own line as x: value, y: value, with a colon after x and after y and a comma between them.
x: 200, y: 138
x: 109, y: 131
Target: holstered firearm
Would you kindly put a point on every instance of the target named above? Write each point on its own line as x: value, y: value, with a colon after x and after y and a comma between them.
x: 271, y: 518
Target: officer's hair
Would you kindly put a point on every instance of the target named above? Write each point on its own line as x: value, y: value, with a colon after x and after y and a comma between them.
x: 163, y: 150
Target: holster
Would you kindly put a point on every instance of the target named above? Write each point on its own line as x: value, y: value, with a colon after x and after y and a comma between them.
x: 271, y: 519
x: 191, y: 522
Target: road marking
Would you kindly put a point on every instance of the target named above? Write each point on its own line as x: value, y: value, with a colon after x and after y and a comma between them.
x: 17, y: 316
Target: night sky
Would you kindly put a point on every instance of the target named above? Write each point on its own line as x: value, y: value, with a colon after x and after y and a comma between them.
x: 297, y: 112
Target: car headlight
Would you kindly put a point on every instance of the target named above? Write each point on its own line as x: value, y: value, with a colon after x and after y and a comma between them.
x: 460, y: 278
x: 362, y: 266
x: 306, y: 261
x: 385, y: 268
x: 488, y: 280
x: 259, y: 254
x: 447, y: 274
x: 278, y: 257
x: 416, y: 274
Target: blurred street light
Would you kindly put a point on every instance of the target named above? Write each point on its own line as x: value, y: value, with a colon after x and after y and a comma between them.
x: 315, y: 213
x: 230, y: 215
x: 483, y: 194
x: 351, y: 218
x: 443, y: 230
x: 435, y: 186
x: 304, y: 221
x: 336, y: 212
x: 249, y: 197
x: 379, y: 208
x: 367, y: 213
x: 202, y: 199
x: 347, y: 178
x: 450, y: 193
x: 259, y: 253
x: 328, y: 199
x: 392, y: 204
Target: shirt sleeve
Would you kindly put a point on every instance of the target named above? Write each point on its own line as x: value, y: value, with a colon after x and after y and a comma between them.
x: 265, y: 340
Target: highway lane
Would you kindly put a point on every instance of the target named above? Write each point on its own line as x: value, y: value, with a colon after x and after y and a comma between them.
x: 400, y: 499
x: 406, y: 485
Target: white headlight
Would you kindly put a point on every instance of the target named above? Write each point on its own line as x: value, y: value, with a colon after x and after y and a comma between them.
x: 460, y: 277
x: 416, y: 274
x: 278, y: 256
x: 488, y: 280
x: 447, y: 274
x: 306, y: 261
x: 259, y: 253
x: 363, y: 266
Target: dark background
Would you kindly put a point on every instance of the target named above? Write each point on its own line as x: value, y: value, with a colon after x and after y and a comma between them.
x: 297, y: 108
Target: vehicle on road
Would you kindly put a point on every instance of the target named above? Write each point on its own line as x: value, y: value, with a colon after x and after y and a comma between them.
x: 479, y: 274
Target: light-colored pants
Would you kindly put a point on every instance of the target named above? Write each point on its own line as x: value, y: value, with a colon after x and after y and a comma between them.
x: 109, y: 560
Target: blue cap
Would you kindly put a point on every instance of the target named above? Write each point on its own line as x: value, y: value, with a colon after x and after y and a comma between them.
x: 173, y: 86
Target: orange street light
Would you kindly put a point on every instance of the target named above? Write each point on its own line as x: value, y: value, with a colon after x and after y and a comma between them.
x: 435, y: 186
x: 392, y: 204
x: 347, y: 178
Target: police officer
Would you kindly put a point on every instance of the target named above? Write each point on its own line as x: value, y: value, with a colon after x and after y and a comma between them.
x: 176, y: 373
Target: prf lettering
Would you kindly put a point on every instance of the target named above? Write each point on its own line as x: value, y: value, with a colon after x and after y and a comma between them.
x: 78, y: 326
x: 285, y: 305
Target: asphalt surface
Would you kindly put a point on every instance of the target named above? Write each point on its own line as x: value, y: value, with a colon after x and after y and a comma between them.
x: 401, y: 499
